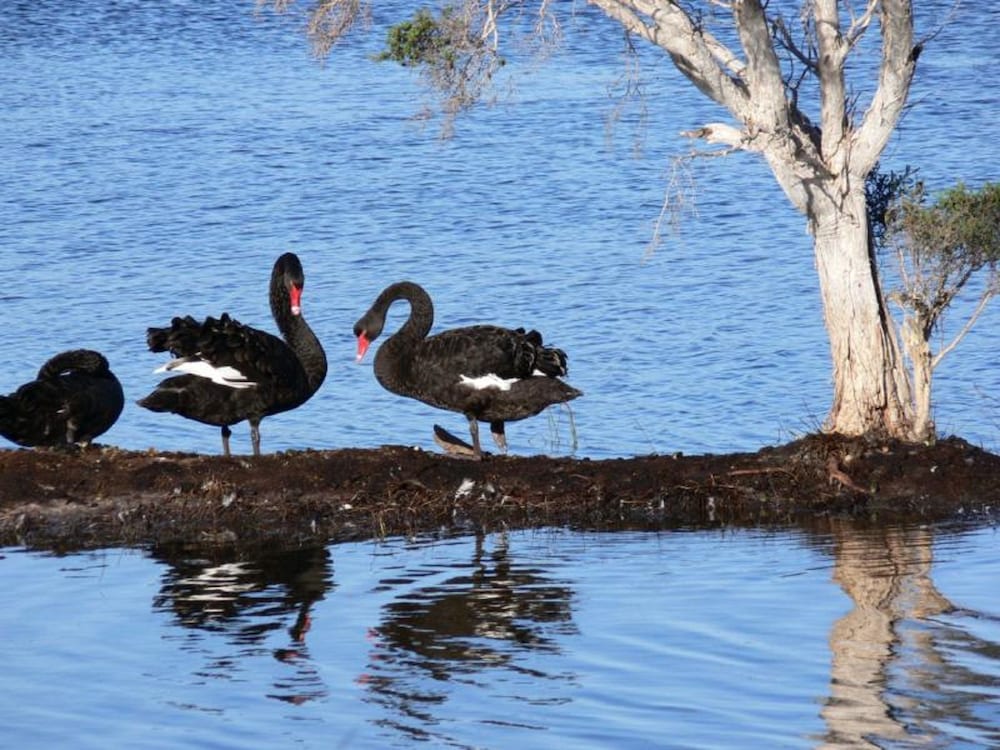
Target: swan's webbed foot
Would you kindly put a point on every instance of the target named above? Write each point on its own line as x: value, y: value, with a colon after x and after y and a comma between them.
x: 66, y: 448
x: 455, y: 446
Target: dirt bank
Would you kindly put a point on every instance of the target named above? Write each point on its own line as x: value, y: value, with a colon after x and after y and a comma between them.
x: 103, y: 496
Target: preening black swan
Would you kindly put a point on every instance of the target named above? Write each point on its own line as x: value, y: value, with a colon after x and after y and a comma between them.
x: 74, y: 399
x: 234, y: 372
x: 487, y: 373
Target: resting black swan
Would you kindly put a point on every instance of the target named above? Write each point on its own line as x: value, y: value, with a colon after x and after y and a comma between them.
x: 487, y: 373
x: 75, y: 398
x: 234, y: 372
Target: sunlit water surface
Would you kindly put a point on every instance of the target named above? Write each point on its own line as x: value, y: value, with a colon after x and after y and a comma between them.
x: 534, y: 639
x: 157, y: 157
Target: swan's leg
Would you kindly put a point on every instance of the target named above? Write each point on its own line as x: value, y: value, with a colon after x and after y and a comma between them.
x: 255, y: 435
x: 71, y: 431
x: 477, y: 451
x: 226, y: 432
x: 499, y: 436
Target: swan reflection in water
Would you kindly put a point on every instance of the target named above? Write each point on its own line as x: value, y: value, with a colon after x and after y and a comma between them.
x: 495, y: 613
x: 247, y: 600
x: 897, y: 643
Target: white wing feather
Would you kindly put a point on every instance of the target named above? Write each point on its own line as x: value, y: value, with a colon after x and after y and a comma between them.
x: 484, y: 382
x: 227, y: 376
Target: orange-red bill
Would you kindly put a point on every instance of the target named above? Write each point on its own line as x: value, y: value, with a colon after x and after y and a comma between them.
x: 363, y: 344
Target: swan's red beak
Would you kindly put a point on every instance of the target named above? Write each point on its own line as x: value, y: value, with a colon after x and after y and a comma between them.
x: 363, y: 344
x: 295, y: 292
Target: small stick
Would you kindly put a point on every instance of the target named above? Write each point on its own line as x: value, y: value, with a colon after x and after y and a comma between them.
x: 836, y: 474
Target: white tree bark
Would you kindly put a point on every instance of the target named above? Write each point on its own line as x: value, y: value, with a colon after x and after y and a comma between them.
x: 821, y: 169
x: 871, y: 389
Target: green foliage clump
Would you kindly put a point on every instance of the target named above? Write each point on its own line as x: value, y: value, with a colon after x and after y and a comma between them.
x: 419, y: 40
x: 961, y: 225
x: 884, y: 191
x: 951, y: 238
x: 454, y: 50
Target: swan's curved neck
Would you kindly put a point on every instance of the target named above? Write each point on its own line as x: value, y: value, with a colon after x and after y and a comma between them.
x: 421, y: 318
x: 298, y: 334
x: 84, y: 361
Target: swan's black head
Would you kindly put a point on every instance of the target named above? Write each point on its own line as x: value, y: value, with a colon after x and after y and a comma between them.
x: 369, y: 326
x: 287, y: 281
x: 367, y: 329
x: 289, y: 266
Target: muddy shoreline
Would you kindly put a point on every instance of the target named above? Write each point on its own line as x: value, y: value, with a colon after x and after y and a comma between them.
x: 107, y: 497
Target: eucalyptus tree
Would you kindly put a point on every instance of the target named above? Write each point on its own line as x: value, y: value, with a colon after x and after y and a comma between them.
x: 781, y: 73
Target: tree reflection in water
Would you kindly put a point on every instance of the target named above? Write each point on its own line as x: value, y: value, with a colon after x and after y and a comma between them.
x: 246, y: 599
x: 894, y: 646
x: 479, y: 625
x: 495, y: 614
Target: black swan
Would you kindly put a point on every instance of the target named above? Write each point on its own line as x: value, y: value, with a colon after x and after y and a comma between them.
x: 234, y: 372
x: 75, y: 398
x: 488, y: 373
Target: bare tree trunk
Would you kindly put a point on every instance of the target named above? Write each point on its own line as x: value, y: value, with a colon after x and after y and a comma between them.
x: 821, y: 169
x: 918, y: 349
x: 871, y: 392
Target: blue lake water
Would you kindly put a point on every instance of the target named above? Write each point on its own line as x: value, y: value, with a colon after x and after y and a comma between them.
x: 157, y: 161
x: 157, y: 157
x: 537, y: 639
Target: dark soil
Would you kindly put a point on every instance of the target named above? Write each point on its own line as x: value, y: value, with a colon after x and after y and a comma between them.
x: 103, y: 496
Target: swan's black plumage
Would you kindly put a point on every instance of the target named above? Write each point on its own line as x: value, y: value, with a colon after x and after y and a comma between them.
x: 74, y: 399
x: 234, y: 372
x: 488, y: 373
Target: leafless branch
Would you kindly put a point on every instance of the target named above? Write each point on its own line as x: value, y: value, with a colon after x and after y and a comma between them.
x: 980, y: 306
x: 899, y: 60
x: 630, y: 86
x: 676, y: 200
x: 784, y: 39
x: 720, y: 133
x: 327, y: 21
x: 859, y: 25
x: 700, y: 58
x: 764, y: 78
